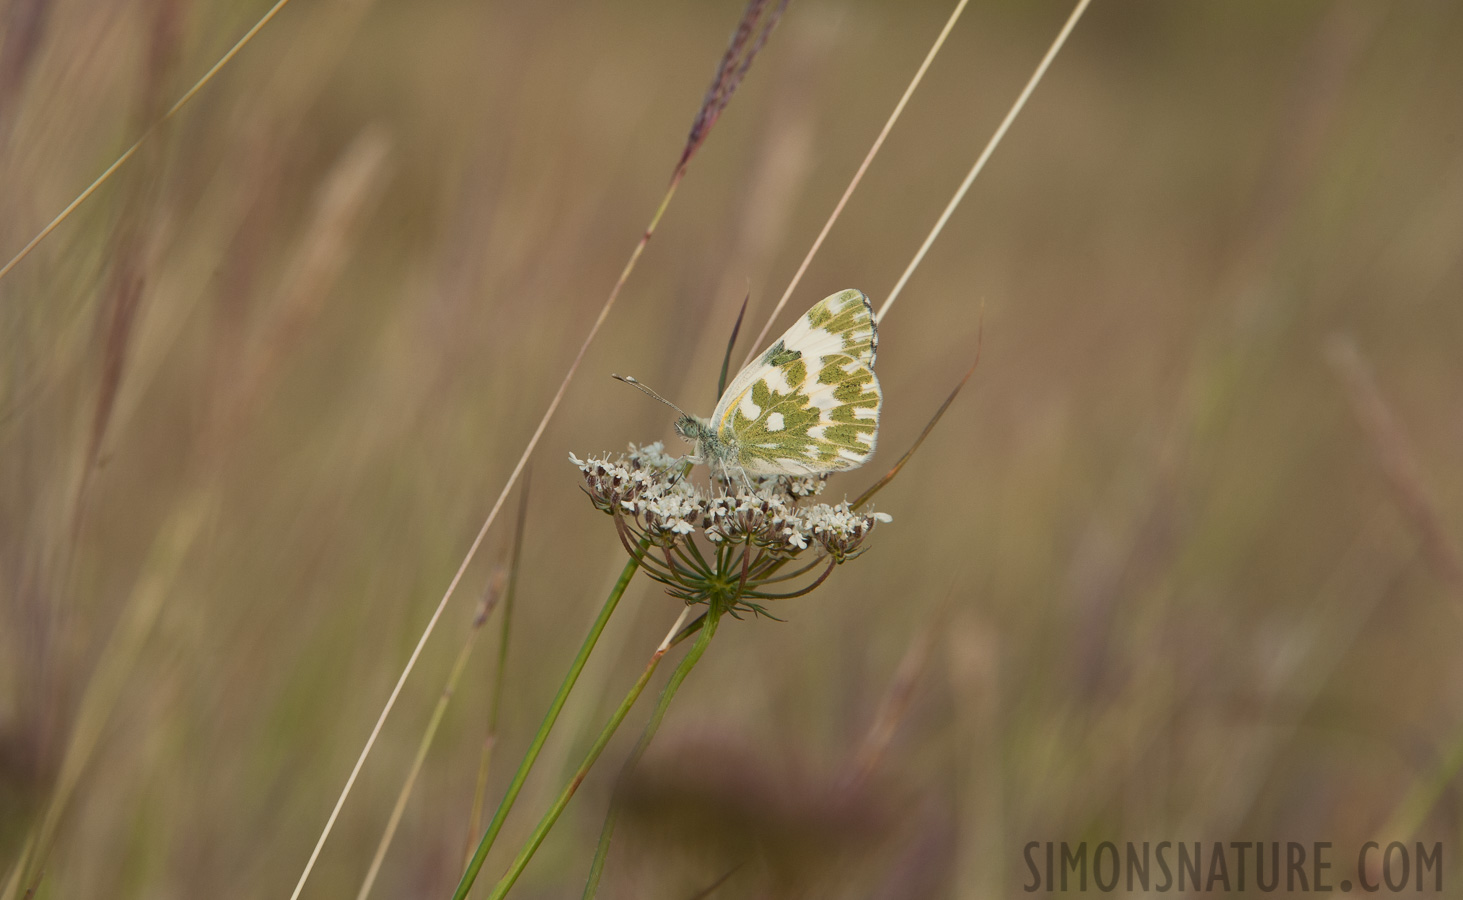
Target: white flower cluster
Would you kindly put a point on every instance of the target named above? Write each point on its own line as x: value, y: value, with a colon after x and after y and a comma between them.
x: 841, y: 530
x: 763, y: 518
x: 647, y: 487
x: 673, y: 510
x: 651, y: 456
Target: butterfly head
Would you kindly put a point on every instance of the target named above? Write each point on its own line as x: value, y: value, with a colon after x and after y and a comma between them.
x: 692, y: 428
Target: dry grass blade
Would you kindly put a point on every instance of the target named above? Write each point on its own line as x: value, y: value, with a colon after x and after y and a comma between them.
x: 730, y: 343
x: 858, y: 176
x: 868, y: 495
x: 704, y: 120
x: 146, y: 135
x: 1397, y: 458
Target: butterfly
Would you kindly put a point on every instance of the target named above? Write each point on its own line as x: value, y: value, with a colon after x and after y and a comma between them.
x: 807, y: 405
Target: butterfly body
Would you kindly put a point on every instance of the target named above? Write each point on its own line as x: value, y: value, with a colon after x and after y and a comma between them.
x: 807, y: 405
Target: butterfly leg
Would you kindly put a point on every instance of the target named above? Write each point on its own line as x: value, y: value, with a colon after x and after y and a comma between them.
x: 726, y: 478
x: 747, y: 482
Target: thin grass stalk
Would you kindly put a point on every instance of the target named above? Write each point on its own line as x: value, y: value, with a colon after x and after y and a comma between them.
x: 495, y: 706
x: 858, y: 175
x: 440, y: 710
x: 146, y: 135
x: 985, y: 154
x: 699, y: 132
x: 667, y: 694
x: 707, y: 631
x: 537, y: 745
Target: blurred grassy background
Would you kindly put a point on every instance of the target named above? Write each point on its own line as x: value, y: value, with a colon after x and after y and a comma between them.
x: 265, y: 385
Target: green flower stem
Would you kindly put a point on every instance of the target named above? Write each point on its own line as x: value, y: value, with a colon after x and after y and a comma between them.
x: 531, y: 756
x: 602, y: 851
x: 490, y: 743
x: 707, y: 631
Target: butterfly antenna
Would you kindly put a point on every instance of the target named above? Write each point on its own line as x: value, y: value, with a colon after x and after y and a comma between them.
x: 630, y: 380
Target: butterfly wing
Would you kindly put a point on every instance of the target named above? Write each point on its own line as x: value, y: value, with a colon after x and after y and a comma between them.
x: 809, y: 403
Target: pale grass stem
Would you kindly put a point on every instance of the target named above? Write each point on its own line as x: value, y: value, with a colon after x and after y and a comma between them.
x: 985, y: 154
x: 458, y: 667
x: 858, y: 176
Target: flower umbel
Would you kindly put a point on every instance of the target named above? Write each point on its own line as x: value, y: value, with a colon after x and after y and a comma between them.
x: 751, y: 535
